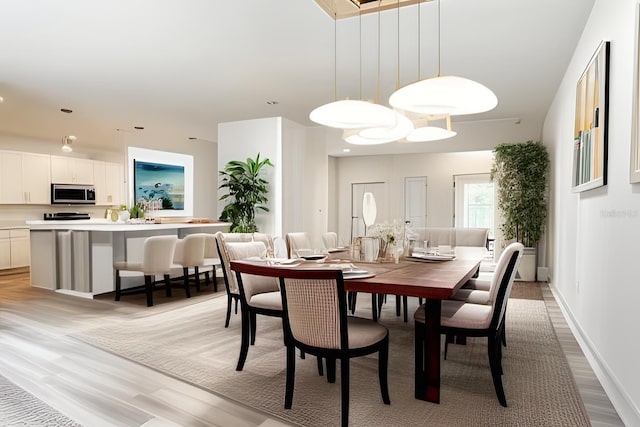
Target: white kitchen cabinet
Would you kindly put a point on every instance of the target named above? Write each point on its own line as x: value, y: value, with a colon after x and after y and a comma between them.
x: 5, y: 249
x: 24, y: 178
x: 14, y: 248
x: 108, y: 182
x: 19, y: 247
x: 70, y: 170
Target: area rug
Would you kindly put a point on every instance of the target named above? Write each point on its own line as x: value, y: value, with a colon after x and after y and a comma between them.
x: 191, y: 343
x: 19, y: 408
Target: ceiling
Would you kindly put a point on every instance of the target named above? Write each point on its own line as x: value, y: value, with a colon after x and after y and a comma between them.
x: 178, y: 68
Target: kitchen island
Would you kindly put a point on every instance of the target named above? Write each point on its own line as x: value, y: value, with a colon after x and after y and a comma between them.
x: 76, y: 257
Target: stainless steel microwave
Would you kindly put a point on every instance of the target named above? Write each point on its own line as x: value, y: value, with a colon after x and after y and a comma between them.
x: 73, y: 194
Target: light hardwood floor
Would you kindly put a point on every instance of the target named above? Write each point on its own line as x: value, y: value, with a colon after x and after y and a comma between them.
x: 97, y: 388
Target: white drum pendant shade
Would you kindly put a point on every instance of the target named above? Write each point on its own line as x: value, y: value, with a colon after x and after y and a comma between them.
x: 444, y: 95
x: 353, y: 114
x: 369, y: 210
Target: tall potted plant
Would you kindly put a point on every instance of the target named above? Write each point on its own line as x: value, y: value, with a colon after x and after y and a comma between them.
x: 246, y: 193
x: 521, y: 171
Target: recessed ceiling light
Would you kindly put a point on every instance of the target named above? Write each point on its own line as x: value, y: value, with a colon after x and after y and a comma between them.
x: 272, y: 102
x: 346, y: 150
x: 66, y: 110
x: 139, y: 127
x: 1, y: 100
x: 193, y: 138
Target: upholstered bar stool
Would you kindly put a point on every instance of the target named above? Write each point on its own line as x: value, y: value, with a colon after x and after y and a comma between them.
x: 157, y: 259
x: 211, y: 260
x: 189, y: 257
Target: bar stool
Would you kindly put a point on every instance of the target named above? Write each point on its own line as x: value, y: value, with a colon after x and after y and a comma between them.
x: 189, y: 256
x: 157, y: 259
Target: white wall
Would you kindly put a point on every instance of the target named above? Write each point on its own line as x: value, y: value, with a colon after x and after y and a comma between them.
x: 594, y: 238
x: 438, y: 168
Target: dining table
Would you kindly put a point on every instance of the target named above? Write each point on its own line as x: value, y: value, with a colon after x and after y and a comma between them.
x: 433, y: 280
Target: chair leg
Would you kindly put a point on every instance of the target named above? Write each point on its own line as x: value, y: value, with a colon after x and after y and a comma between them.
x: 252, y: 327
x: 207, y: 278
x: 405, y: 303
x: 331, y: 370
x: 383, y: 361
x: 167, y: 285
x: 215, y: 279
x: 118, y: 286
x: 197, y: 277
x: 344, y: 390
x: 374, y: 307
x: 237, y: 299
x: 291, y: 373
x: 397, y: 305
x: 226, y: 321
x: 185, y: 272
x: 503, y: 332
x: 148, y: 286
x: 495, y: 364
x: 244, y: 342
x: 320, y: 366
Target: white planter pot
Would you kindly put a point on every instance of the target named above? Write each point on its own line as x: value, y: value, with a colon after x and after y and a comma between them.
x: 527, y: 268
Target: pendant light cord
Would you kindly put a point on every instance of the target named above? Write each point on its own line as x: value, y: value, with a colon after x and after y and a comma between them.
x: 378, y: 68
x: 335, y: 52
x: 439, y: 42
x: 398, y: 67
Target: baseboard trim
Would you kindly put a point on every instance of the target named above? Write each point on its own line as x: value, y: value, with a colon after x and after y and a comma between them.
x: 624, y: 405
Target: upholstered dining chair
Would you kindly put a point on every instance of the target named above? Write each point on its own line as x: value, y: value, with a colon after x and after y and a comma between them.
x: 461, y: 318
x: 189, y: 258
x: 231, y: 286
x: 157, y: 259
x: 258, y: 294
x: 330, y: 240
x: 297, y: 241
x: 315, y: 321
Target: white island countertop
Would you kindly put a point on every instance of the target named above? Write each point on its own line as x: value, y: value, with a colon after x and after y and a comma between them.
x: 106, y: 225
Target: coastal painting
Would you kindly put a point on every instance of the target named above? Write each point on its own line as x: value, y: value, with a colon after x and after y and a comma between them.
x: 160, y: 183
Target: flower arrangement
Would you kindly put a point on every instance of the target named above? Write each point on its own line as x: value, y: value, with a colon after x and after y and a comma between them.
x: 389, y: 233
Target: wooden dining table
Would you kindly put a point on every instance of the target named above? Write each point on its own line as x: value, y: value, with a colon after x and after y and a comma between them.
x: 434, y: 281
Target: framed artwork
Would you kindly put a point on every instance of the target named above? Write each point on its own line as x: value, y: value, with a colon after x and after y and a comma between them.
x: 159, y: 182
x: 634, y: 164
x: 590, y: 137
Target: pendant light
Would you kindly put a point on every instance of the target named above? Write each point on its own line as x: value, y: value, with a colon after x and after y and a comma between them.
x: 444, y: 94
x: 348, y: 113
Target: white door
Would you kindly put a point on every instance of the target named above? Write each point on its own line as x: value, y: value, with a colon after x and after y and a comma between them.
x: 415, y: 201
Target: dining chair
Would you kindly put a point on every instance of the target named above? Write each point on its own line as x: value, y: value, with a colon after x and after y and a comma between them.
x: 330, y: 240
x: 257, y: 294
x: 461, y: 318
x: 189, y: 258
x: 231, y: 286
x: 297, y: 241
x: 157, y: 259
x: 315, y: 321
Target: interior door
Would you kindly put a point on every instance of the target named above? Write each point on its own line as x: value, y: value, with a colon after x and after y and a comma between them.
x: 379, y: 190
x: 415, y: 201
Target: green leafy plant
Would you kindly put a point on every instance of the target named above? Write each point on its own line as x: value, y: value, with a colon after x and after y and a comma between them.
x: 521, y: 172
x: 246, y: 193
x: 137, y: 211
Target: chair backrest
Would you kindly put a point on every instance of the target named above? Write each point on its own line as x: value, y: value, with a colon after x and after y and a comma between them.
x: 190, y: 250
x: 330, y: 240
x: 222, y: 238
x: 296, y: 241
x: 468, y: 236
x: 314, y: 308
x: 210, y: 246
x: 502, y: 281
x: 158, y: 252
x: 249, y: 285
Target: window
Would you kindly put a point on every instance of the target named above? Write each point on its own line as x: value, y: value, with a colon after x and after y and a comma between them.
x: 474, y: 201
